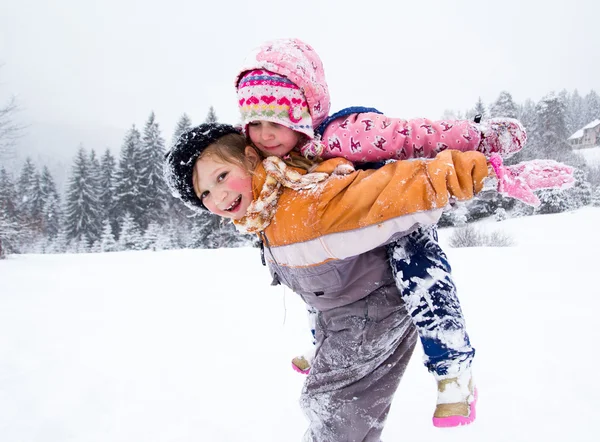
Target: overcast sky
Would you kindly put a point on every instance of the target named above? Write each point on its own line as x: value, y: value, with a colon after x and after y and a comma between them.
x: 110, y: 62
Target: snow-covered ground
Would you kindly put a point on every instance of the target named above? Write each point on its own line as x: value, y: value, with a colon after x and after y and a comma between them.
x: 195, y: 345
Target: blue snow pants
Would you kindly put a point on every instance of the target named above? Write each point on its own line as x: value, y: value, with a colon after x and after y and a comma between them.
x: 423, y: 276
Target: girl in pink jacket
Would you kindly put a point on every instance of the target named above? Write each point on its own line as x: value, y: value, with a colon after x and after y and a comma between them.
x: 284, y: 103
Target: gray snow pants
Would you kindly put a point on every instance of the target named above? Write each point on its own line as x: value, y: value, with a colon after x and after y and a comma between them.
x: 362, y: 351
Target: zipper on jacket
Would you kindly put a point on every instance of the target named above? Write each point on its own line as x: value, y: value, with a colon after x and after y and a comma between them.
x: 265, y: 242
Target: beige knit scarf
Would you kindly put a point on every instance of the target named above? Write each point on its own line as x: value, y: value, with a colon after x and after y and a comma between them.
x: 279, y: 175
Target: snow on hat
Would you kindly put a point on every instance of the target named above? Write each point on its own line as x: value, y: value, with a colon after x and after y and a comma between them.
x: 267, y: 96
x: 180, y: 160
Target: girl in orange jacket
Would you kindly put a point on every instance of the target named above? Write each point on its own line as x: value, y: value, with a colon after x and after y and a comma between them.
x: 325, y: 233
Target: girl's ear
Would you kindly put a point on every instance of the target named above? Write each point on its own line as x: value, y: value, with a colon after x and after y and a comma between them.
x: 252, y: 156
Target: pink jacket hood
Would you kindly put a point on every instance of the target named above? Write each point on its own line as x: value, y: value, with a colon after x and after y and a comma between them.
x: 298, y: 62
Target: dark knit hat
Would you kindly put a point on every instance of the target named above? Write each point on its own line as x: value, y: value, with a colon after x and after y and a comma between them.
x: 180, y: 160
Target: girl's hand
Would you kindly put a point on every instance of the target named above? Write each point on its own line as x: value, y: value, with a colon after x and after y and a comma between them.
x: 503, y: 136
x: 521, y: 180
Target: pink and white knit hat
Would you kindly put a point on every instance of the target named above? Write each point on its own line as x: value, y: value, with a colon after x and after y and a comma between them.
x: 264, y: 95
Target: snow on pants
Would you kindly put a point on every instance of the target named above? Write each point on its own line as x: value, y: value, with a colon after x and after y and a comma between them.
x: 423, y: 276
x: 362, y: 351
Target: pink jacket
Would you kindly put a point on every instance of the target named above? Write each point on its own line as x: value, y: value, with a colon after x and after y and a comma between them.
x: 365, y: 137
x: 362, y: 137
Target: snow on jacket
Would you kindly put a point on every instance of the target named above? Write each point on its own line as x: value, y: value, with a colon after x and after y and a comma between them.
x: 325, y: 243
x: 359, y: 137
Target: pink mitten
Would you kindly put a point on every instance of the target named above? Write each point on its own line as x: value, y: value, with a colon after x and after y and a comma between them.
x: 519, y: 181
x: 502, y: 136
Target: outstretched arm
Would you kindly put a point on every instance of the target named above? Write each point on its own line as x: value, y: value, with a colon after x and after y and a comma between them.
x: 371, y: 137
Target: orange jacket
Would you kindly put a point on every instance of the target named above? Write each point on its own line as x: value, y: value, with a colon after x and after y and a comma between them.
x: 348, y: 215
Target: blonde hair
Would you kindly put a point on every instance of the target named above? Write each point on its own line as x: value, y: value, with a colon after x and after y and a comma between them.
x: 230, y: 149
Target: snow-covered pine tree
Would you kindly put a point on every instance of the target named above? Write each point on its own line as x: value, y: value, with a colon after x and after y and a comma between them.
x: 82, y: 215
x: 575, y: 113
x: 155, y: 238
x: 479, y: 109
x: 107, y: 239
x: 95, y: 174
x: 551, y: 132
x: 580, y: 194
x: 596, y: 197
x: 83, y: 244
x: 8, y: 196
x: 591, y: 107
x: 59, y: 244
x: 9, y: 220
x: 504, y: 106
x: 553, y: 201
x: 154, y: 198
x: 211, y: 117
x: 183, y: 125
x: 51, y: 210
x: 35, y: 204
x: 107, y: 189
x: 24, y: 187
x: 205, y: 231
x: 128, y: 187
x: 130, y: 237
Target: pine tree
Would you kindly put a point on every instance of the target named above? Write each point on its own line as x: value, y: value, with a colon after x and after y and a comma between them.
x: 154, y: 198
x: 575, y: 113
x: 95, y: 174
x: 82, y: 205
x: 83, y: 244
x: 211, y: 117
x: 183, y: 125
x: 9, y: 220
x: 504, y: 106
x: 155, y: 238
x: 60, y: 243
x: 551, y: 132
x: 553, y: 201
x: 592, y: 107
x: 130, y: 237
x: 8, y: 196
x: 205, y: 231
x: 107, y: 239
x: 51, y: 209
x: 596, y: 197
x: 107, y: 189
x: 580, y: 194
x: 480, y: 109
x: 128, y: 188
x: 24, y: 187
x: 35, y: 203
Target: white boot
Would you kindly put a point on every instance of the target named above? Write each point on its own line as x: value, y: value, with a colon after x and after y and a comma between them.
x: 456, y: 401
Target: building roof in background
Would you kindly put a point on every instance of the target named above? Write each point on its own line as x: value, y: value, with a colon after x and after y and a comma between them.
x: 579, y: 133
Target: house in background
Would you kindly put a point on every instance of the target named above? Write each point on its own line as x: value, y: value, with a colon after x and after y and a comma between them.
x: 587, y: 136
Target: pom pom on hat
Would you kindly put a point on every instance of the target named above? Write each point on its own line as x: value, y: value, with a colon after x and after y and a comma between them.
x: 264, y: 95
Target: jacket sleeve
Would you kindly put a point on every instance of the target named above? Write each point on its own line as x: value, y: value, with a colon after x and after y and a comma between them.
x: 368, y: 137
x: 400, y: 188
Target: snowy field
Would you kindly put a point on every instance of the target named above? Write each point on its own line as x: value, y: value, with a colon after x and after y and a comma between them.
x: 195, y: 345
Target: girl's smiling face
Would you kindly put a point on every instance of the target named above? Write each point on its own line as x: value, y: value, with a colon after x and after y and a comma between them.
x: 225, y: 188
